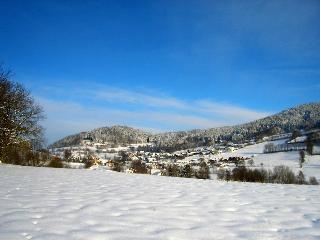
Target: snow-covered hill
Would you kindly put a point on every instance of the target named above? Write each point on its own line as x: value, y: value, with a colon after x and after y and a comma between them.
x: 115, y: 135
x: 44, y: 203
x: 301, y: 117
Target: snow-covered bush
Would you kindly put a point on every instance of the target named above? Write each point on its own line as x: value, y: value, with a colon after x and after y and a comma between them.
x: 280, y: 174
x: 269, y: 147
x: 117, y: 166
x: 171, y: 170
x: 88, y: 162
x: 203, y: 172
x: 138, y: 166
x: 55, y: 163
x: 300, y: 178
x: 313, y: 181
x: 187, y: 171
x: 283, y: 174
x: 244, y: 174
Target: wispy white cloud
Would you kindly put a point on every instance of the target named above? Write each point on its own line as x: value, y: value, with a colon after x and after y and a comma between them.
x: 132, y: 97
x: 230, y: 111
x: 152, y: 111
x: 159, y: 100
x: 65, y: 118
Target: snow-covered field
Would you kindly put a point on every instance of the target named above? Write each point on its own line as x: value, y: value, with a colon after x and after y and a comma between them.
x: 45, y: 203
x: 311, y: 167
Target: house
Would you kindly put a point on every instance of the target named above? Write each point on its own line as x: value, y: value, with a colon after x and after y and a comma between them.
x: 156, y: 171
x: 300, y: 139
x: 280, y: 136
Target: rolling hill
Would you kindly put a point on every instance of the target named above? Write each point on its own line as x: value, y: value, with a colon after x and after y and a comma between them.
x: 306, y: 116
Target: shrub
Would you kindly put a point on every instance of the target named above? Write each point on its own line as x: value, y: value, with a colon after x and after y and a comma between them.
x: 67, y: 155
x: 55, y: 163
x: 296, y: 133
x: 88, y: 162
x: 22, y: 154
x: 139, y: 167
x: 239, y: 174
x: 227, y: 175
x: 221, y: 174
x: 280, y: 174
x: 300, y: 178
x: 203, y: 172
x: 269, y: 147
x: 244, y: 174
x: 251, y: 162
x: 283, y: 174
x: 313, y: 181
x: 172, y: 170
x: 240, y: 163
x: 187, y: 171
x: 302, y: 156
x: 259, y: 175
x: 117, y: 166
x: 309, y: 145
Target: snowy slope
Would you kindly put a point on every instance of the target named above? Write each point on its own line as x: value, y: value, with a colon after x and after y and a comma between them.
x: 291, y: 159
x: 44, y: 203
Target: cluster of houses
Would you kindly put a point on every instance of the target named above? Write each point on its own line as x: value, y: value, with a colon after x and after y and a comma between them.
x: 103, y: 154
x: 297, y: 143
x: 108, y: 157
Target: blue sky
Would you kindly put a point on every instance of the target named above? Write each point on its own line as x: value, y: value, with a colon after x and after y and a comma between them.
x: 161, y: 65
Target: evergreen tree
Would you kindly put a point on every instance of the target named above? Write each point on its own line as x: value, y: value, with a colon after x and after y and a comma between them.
x: 187, y: 171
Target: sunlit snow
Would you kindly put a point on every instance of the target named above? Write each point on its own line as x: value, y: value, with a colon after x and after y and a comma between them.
x: 45, y: 203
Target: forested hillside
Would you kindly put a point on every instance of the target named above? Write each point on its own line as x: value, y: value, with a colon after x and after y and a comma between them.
x: 305, y: 116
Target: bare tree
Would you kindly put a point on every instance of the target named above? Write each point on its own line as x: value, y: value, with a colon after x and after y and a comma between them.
x: 19, y: 117
x: 187, y: 171
x: 300, y: 178
x: 269, y: 147
x: 250, y: 162
x: 302, y: 157
x: 203, y: 172
x: 296, y: 133
x: 67, y: 155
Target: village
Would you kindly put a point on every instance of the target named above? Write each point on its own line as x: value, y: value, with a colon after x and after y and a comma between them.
x: 131, y: 158
x: 105, y: 156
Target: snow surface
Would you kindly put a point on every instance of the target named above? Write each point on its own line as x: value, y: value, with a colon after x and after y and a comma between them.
x: 311, y: 167
x: 45, y: 203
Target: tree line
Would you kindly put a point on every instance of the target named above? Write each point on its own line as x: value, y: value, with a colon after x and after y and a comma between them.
x: 279, y: 174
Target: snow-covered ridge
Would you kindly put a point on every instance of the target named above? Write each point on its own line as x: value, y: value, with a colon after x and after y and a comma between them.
x: 303, y: 116
x: 113, y: 135
x: 45, y: 203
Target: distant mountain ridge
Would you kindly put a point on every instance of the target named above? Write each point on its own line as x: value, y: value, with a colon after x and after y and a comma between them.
x: 304, y: 116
